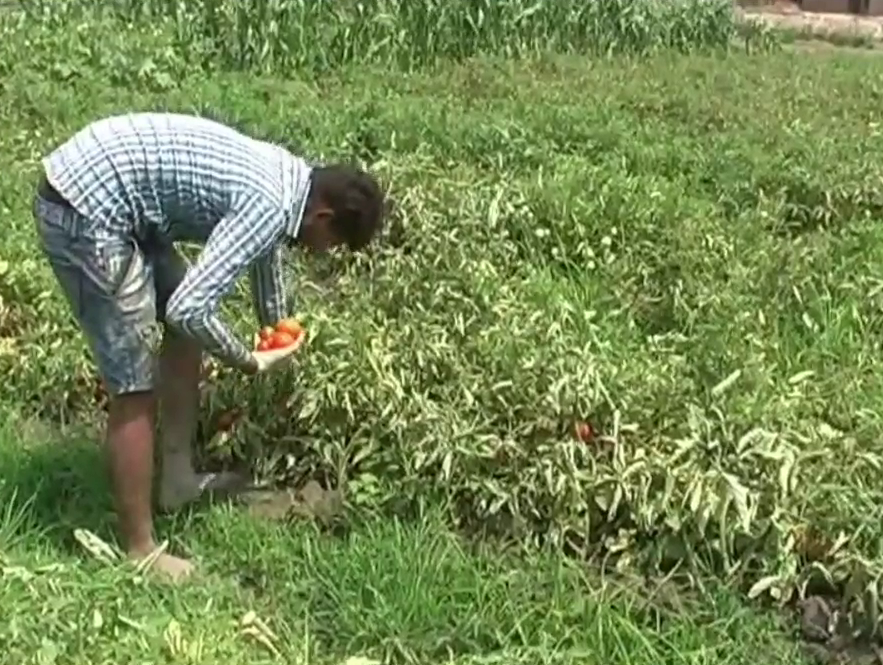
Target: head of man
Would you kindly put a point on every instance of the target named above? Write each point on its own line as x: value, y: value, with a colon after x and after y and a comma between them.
x: 345, y: 207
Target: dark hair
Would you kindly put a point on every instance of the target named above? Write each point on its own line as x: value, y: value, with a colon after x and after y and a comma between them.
x: 355, y: 198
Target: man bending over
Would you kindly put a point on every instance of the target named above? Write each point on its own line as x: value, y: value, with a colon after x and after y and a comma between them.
x: 111, y: 204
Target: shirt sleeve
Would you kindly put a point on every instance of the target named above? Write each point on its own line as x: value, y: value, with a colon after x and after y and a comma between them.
x: 268, y: 288
x: 247, y: 235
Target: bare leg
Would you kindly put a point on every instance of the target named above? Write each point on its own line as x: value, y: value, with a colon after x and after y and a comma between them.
x: 130, y: 444
x: 121, y: 310
x: 130, y: 447
x: 180, y: 363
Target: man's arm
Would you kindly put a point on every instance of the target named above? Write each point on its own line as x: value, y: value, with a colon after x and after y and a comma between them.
x: 268, y: 288
x: 244, y: 236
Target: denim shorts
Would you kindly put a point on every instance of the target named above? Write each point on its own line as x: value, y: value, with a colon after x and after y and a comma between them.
x: 117, y: 289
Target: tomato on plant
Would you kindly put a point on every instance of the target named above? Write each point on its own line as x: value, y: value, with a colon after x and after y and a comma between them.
x: 227, y: 419
x: 583, y: 431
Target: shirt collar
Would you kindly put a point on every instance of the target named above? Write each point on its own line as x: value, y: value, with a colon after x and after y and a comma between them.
x: 300, y: 186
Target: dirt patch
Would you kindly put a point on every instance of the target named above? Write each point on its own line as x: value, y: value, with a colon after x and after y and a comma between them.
x: 789, y: 16
x: 311, y: 502
x: 831, y: 639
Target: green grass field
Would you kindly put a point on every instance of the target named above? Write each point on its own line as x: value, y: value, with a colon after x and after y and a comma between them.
x: 647, y: 218
x: 392, y: 591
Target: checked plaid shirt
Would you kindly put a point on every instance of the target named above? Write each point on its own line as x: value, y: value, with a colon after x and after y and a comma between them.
x: 184, y: 178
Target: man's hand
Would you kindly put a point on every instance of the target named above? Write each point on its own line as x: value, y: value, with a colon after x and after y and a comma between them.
x: 266, y: 360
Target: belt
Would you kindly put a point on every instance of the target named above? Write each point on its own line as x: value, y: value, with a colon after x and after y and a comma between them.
x: 47, y: 192
x: 148, y: 237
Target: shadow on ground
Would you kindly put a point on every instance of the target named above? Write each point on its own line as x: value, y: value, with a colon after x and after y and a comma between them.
x: 55, y: 480
x: 59, y: 476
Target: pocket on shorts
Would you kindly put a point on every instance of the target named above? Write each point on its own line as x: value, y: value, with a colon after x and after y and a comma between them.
x: 120, y: 271
x: 110, y: 269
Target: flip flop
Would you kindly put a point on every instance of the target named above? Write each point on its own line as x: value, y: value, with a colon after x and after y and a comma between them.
x: 223, y: 484
x: 212, y: 486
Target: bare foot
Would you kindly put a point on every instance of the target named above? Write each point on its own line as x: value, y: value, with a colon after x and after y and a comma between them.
x: 171, y: 568
x: 175, y: 493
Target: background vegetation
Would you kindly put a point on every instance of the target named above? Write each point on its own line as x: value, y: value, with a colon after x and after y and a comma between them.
x: 642, y: 216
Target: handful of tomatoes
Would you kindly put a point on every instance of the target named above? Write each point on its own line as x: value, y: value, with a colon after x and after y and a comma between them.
x: 282, y: 335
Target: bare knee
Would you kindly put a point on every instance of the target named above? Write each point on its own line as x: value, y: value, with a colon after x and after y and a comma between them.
x: 129, y: 406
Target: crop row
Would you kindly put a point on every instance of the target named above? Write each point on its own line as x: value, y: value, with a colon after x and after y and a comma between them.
x: 683, y: 251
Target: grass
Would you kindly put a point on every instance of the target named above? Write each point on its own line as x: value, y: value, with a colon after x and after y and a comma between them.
x: 391, y: 591
x: 284, y: 35
x: 677, y: 242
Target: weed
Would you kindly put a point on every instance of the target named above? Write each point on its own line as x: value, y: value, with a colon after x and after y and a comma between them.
x: 681, y: 250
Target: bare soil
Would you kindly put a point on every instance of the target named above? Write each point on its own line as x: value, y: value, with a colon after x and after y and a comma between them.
x: 788, y: 15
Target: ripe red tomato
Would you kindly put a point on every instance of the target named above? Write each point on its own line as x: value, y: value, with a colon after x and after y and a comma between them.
x: 266, y: 332
x: 263, y: 345
x: 280, y: 340
x: 289, y: 326
x: 583, y: 431
x: 227, y: 419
